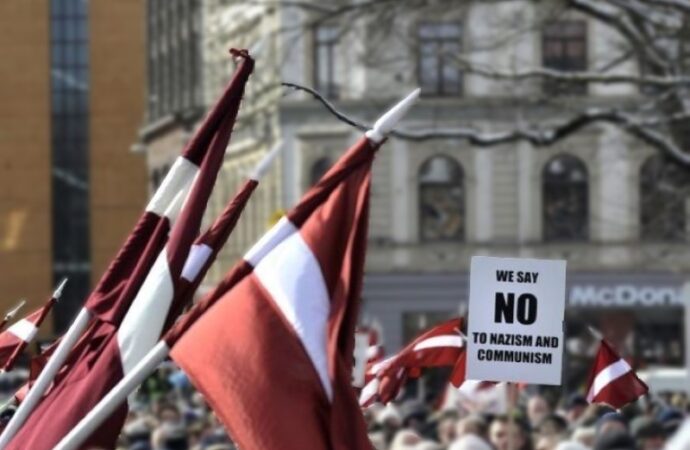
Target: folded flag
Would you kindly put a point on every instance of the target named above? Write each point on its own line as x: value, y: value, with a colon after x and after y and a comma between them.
x: 442, y: 345
x: 15, y: 339
x: 612, y: 380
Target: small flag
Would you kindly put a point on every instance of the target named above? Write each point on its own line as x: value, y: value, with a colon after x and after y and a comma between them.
x: 442, y: 345
x: 20, y: 334
x: 612, y: 380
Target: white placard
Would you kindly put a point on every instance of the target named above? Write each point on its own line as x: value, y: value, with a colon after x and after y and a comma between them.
x: 515, y: 323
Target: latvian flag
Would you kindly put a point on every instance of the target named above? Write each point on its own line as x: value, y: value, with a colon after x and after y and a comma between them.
x: 612, y: 380
x: 139, y: 296
x: 20, y: 334
x: 281, y: 325
x: 442, y: 345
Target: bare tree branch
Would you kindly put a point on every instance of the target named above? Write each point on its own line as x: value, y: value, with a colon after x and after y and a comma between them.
x: 571, y: 77
x: 539, y: 137
x: 612, y: 17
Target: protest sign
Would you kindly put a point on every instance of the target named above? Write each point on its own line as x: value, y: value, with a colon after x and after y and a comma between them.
x: 515, y: 324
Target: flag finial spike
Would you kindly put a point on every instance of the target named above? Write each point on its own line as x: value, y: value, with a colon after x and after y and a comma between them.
x: 58, y: 291
x: 390, y: 119
x: 11, y: 313
x: 265, y: 164
x: 596, y: 333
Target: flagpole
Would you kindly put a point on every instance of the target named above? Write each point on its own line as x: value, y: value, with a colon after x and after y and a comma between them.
x: 158, y: 354
x: 115, y: 398
x: 46, y: 377
x: 11, y: 313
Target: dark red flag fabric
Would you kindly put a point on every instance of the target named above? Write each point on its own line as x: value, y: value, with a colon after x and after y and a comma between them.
x: 20, y: 334
x: 442, y: 345
x: 612, y: 380
x: 281, y: 324
x: 120, y: 334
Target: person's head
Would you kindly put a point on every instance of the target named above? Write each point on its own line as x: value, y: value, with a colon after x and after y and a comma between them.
x: 614, y: 440
x: 470, y: 442
x: 584, y: 435
x: 405, y: 440
x: 537, y: 409
x: 169, y: 437
x: 611, y: 422
x: 553, y: 425
x: 575, y: 407
x: 169, y: 413
x: 670, y: 419
x: 389, y: 420
x: 428, y: 445
x: 473, y: 424
x: 414, y: 415
x: 547, y: 442
x: 503, y: 431
x: 648, y: 433
x: 446, y: 428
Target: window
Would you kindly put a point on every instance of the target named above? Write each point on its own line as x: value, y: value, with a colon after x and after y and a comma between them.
x: 664, y: 188
x: 565, y: 199
x: 318, y: 170
x: 325, y: 70
x: 564, y: 49
x: 173, y: 59
x: 438, y: 45
x: 441, y: 200
x: 69, y: 90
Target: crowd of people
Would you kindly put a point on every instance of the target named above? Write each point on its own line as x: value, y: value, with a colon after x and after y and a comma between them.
x: 167, y: 413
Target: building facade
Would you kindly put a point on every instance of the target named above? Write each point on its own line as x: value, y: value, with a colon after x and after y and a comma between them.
x: 598, y: 199
x: 72, y: 87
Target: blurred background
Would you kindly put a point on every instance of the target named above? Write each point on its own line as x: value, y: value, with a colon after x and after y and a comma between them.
x: 546, y: 129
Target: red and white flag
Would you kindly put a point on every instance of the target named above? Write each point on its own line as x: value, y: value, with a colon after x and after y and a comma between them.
x: 15, y: 339
x: 612, y: 380
x: 153, y: 285
x: 282, y: 323
x: 442, y: 345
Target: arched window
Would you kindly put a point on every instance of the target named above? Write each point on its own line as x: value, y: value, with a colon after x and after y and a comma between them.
x: 319, y: 169
x: 441, y: 200
x: 664, y: 188
x: 565, y: 191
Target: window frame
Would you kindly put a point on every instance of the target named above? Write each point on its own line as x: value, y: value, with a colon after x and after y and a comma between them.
x: 440, y: 89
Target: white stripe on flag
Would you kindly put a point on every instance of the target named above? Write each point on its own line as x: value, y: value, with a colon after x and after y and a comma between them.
x: 198, y: 255
x: 281, y: 230
x: 376, y: 368
x: 292, y: 276
x: 439, y: 341
x: 606, y: 376
x: 179, y: 178
x: 24, y: 330
x: 372, y: 351
x: 368, y: 391
x: 141, y: 328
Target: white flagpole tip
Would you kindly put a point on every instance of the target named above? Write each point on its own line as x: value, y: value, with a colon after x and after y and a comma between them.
x: 390, y: 119
x: 265, y: 164
x: 596, y: 333
x: 58, y: 291
x: 11, y: 313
